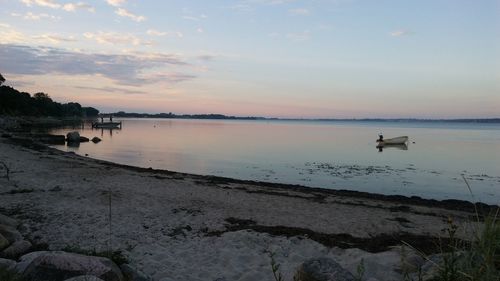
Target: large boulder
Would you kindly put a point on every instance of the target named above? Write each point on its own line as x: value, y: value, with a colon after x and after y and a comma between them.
x: 73, y: 137
x: 10, y: 233
x: 322, y: 269
x: 59, y: 266
x: 17, y: 249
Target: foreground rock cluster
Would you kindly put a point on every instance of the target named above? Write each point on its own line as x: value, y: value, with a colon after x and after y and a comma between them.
x: 18, y: 258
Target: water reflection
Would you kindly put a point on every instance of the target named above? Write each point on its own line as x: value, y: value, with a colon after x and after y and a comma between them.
x: 381, y: 147
x: 278, y: 150
x: 109, y: 131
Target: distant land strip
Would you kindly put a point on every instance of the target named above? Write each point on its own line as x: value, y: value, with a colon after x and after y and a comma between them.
x: 171, y: 115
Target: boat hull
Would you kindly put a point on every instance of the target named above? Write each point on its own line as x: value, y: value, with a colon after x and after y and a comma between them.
x: 398, y: 140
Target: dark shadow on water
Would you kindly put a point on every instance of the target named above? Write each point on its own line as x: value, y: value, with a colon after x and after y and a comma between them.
x: 395, y: 146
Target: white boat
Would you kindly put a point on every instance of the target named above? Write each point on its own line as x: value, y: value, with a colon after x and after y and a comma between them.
x: 397, y: 140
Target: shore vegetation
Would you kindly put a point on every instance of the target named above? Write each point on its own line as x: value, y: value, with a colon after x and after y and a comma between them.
x: 16, y: 103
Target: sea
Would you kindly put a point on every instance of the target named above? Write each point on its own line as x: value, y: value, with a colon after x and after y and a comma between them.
x: 442, y: 160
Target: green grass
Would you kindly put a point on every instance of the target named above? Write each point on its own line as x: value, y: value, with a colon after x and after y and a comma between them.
x: 478, y: 258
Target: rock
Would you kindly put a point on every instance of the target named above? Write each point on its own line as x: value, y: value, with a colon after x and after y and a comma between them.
x: 322, y: 269
x: 17, y: 249
x: 10, y: 233
x: 132, y: 274
x: 84, y: 139
x: 7, y: 264
x: 4, y: 243
x: 96, y: 139
x: 73, y: 137
x: 388, y: 266
x: 55, y: 188
x: 7, y: 136
x: 5, y: 220
x: 50, y: 139
x: 84, y: 278
x: 59, y: 266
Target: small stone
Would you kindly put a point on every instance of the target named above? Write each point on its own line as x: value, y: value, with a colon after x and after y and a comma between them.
x: 4, y: 243
x: 5, y: 220
x: 322, y: 269
x: 132, y: 274
x: 10, y: 233
x: 7, y: 264
x: 96, y: 139
x: 55, y: 188
x: 84, y: 139
x: 84, y: 278
x: 17, y: 249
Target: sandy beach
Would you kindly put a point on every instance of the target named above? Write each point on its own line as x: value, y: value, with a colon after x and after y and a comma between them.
x: 175, y: 226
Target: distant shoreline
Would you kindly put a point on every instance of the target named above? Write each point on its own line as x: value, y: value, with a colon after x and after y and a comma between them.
x: 122, y: 114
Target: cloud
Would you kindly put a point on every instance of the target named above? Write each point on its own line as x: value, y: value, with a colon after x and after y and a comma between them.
x: 124, y: 13
x: 126, y: 69
x: 12, y: 36
x: 114, y: 38
x: 112, y: 90
x: 71, y: 7
x: 200, y: 30
x: 31, y: 16
x: 299, y: 12
x: 116, y: 3
x: 154, y: 32
x: 398, y: 33
x: 43, y: 3
x: 54, y: 38
x: 190, y: 18
x: 299, y: 36
x: 268, y: 2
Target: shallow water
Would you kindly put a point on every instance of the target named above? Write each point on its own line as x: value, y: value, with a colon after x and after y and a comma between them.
x: 326, y: 154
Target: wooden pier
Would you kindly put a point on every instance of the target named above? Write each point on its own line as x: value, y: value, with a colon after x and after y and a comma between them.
x: 107, y: 125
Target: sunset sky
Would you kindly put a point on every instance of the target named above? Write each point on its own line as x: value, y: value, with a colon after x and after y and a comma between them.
x: 276, y: 58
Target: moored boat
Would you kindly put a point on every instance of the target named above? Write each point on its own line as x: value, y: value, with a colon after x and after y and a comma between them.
x: 396, y: 140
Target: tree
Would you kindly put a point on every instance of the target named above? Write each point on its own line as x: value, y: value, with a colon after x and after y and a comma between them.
x: 1, y: 79
x: 42, y: 96
x: 90, y: 111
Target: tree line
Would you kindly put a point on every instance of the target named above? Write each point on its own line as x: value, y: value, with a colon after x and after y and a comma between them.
x: 181, y: 116
x: 13, y: 102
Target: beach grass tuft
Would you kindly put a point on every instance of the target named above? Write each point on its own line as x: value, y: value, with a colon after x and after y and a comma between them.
x: 475, y: 259
x: 275, y: 267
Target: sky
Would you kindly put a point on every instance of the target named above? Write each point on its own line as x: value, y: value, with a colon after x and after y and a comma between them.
x: 273, y: 58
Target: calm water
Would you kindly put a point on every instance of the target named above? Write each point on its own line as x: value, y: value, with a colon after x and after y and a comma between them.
x: 337, y: 155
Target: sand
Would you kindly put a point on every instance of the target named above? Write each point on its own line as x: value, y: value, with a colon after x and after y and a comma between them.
x: 175, y: 226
